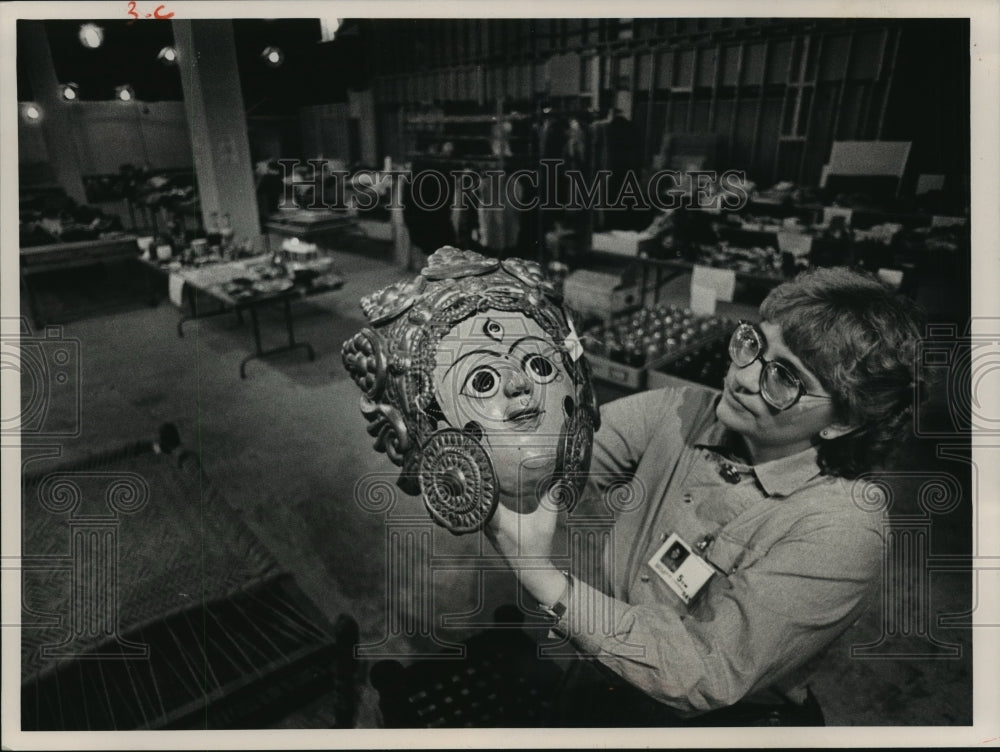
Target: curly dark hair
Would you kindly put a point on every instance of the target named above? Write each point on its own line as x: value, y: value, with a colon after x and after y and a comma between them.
x: 860, y: 339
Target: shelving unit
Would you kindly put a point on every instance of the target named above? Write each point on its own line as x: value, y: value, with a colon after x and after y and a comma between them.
x: 484, y: 140
x: 777, y: 92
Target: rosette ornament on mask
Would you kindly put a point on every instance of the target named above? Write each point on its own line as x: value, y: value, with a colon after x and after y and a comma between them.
x: 476, y: 385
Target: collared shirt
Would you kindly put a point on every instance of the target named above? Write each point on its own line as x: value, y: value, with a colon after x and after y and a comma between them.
x: 796, y: 559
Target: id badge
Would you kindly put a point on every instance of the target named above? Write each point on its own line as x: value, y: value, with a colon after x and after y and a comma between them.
x: 684, y: 571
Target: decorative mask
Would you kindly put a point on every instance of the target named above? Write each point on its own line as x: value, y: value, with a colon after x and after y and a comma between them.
x: 476, y: 385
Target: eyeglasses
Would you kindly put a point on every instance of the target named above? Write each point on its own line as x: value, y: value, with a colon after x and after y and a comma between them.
x: 780, y: 386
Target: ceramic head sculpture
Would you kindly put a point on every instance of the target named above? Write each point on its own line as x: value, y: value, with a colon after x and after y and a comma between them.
x: 476, y: 385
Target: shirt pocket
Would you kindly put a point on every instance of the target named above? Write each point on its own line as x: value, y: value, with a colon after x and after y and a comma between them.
x: 728, y: 554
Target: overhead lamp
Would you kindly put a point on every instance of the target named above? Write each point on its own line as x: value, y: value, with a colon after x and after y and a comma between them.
x: 91, y: 35
x: 273, y: 56
x: 69, y: 92
x: 125, y: 93
x: 167, y: 56
x: 328, y: 29
x: 31, y: 112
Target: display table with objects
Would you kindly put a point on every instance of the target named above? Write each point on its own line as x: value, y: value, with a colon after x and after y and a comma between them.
x: 248, y: 285
x: 775, y: 234
x: 322, y: 226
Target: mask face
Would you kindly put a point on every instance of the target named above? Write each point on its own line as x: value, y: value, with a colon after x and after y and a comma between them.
x: 475, y: 384
x: 499, y: 373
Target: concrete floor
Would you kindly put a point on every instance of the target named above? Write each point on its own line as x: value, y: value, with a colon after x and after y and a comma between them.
x: 288, y: 445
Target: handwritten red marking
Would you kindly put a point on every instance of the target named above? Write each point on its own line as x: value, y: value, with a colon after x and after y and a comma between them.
x: 160, y: 13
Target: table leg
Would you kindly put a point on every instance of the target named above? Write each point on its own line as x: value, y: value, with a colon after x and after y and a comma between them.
x: 288, y: 323
x: 193, y: 297
x: 256, y: 329
x: 289, y: 327
x: 196, y: 314
x: 152, y: 278
x: 255, y: 325
x: 29, y: 293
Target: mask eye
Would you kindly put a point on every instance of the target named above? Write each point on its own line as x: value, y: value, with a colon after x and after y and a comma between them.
x: 540, y: 368
x: 482, y: 383
x: 493, y: 330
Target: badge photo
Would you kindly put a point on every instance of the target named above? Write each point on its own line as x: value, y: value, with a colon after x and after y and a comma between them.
x: 684, y: 571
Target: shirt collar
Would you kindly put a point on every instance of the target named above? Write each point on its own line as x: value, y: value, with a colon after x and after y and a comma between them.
x: 780, y: 477
x: 784, y: 476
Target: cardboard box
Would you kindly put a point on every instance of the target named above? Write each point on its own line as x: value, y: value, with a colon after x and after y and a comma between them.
x: 796, y: 243
x: 617, y: 373
x: 658, y: 380
x: 623, y: 242
x: 590, y: 292
x: 376, y: 229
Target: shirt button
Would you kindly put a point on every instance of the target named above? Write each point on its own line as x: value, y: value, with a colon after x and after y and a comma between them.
x: 687, y: 498
x: 733, y: 569
x: 644, y: 577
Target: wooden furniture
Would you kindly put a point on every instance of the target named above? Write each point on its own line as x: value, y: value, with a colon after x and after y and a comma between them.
x: 149, y: 604
x: 57, y: 256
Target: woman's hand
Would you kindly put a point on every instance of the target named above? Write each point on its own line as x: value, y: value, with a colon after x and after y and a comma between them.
x: 525, y: 540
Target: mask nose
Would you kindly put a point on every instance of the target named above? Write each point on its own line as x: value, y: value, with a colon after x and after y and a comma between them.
x: 517, y: 383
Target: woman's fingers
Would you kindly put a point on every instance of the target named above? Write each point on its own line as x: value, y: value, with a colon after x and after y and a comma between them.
x: 516, y: 534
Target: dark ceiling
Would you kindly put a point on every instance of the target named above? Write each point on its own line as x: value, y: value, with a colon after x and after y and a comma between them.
x: 312, y: 73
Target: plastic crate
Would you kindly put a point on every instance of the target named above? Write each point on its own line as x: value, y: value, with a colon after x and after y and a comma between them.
x: 704, y: 362
x: 699, y: 355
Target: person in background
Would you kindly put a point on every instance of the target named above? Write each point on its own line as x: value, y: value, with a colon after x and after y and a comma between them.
x: 747, y: 542
x: 269, y: 186
x: 426, y: 211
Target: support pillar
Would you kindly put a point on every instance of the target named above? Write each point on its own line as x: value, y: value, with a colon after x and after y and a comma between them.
x: 213, y: 101
x: 61, y: 139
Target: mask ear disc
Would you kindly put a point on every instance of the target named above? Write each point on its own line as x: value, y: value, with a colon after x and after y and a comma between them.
x: 457, y: 481
x: 573, y: 459
x: 453, y: 481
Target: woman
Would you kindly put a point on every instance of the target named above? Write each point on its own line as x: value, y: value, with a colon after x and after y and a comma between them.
x: 740, y: 552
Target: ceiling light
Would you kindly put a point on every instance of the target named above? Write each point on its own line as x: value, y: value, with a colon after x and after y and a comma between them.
x: 125, y: 93
x: 69, y: 92
x: 328, y: 29
x: 91, y: 35
x: 273, y: 56
x: 31, y: 111
x: 167, y: 56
